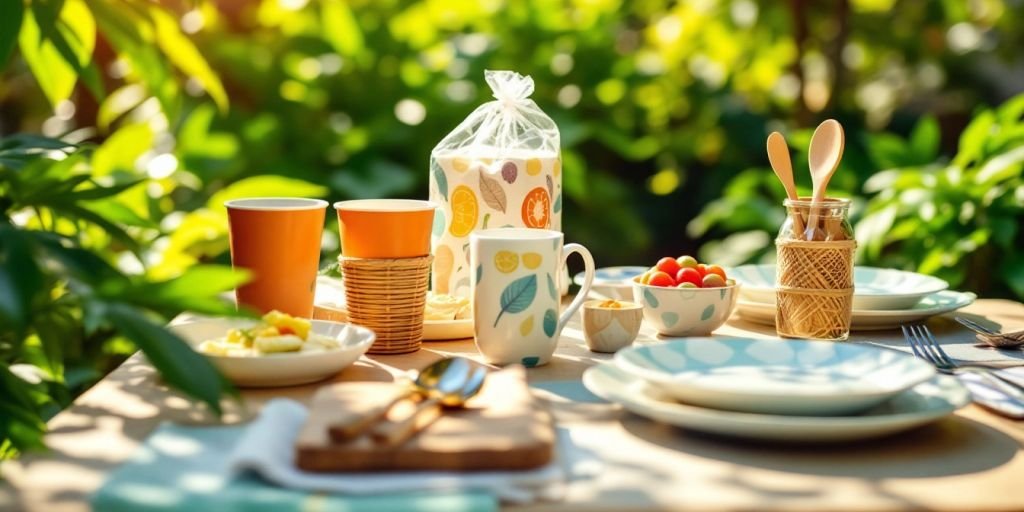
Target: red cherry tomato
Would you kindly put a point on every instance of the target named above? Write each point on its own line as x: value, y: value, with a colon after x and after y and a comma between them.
x: 715, y: 269
x: 661, y: 279
x: 688, y: 275
x: 668, y: 266
x: 703, y: 269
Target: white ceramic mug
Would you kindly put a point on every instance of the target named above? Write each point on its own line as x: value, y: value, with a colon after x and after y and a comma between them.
x: 514, y: 277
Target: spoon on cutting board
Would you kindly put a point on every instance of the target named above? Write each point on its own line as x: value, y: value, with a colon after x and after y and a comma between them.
x: 778, y: 156
x: 823, y: 157
x: 453, y: 391
x: 448, y: 373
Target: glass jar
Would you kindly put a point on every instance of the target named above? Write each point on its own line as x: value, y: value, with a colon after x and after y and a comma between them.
x: 814, y: 273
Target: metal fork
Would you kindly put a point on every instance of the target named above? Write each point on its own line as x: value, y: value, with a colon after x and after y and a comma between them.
x: 924, y: 345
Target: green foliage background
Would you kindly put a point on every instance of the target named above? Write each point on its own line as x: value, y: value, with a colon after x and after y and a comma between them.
x: 163, y: 110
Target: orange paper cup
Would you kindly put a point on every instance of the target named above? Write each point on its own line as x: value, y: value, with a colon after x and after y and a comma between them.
x: 278, y: 240
x: 385, y: 228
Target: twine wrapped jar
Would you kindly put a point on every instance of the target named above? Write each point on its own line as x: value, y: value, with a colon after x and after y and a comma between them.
x: 814, y: 275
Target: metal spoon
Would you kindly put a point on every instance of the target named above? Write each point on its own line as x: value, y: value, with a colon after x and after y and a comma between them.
x: 460, y: 382
x: 778, y: 155
x: 823, y: 157
x: 448, y: 373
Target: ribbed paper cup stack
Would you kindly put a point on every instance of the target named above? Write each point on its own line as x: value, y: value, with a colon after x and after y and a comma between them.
x: 388, y: 296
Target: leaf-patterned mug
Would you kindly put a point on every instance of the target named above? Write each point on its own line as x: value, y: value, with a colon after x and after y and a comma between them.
x: 514, y: 280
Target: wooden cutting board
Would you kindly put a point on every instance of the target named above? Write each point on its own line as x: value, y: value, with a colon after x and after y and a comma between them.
x: 504, y: 427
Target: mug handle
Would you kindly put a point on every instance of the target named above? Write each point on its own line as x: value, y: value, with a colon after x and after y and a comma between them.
x: 588, y: 279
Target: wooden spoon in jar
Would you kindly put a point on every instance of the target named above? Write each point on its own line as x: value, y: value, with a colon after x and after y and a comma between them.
x: 778, y: 155
x: 823, y: 157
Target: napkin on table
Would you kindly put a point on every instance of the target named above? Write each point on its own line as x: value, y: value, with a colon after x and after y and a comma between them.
x: 187, y: 468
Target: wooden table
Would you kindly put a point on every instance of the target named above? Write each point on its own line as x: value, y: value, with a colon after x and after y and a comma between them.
x: 971, y: 461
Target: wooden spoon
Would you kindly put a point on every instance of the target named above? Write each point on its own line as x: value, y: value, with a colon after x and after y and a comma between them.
x: 778, y: 155
x: 823, y: 157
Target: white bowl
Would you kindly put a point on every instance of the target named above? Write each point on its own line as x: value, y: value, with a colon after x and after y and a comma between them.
x: 685, y: 311
x: 875, y: 289
x: 772, y: 376
x: 283, y: 369
x: 613, y: 282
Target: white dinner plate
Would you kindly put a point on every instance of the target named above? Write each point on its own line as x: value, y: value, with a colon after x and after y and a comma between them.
x: 774, y: 376
x: 917, y: 406
x: 874, y: 288
x: 613, y: 282
x: 286, y: 368
x: 440, y: 330
x: 867, y: 320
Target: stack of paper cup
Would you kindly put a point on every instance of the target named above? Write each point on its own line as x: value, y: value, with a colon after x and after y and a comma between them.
x: 385, y: 264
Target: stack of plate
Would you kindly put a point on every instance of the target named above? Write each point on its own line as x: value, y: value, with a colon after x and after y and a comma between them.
x: 782, y: 390
x: 882, y: 298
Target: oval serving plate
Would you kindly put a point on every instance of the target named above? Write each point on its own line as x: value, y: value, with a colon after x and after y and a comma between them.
x: 861, y: 320
x: 771, y: 376
x: 284, y: 369
x: 922, y: 404
x: 875, y: 289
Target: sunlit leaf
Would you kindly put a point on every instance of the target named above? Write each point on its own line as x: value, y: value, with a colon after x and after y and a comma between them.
x: 340, y: 28
x: 180, y: 50
x: 121, y: 150
x: 57, y: 46
x: 265, y: 186
x: 197, y: 290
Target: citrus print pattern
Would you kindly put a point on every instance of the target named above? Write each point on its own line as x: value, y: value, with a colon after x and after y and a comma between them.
x: 531, y: 260
x: 460, y: 164
x: 537, y: 208
x: 490, y: 191
x: 506, y: 261
x: 533, y: 167
x: 444, y: 262
x: 465, y: 209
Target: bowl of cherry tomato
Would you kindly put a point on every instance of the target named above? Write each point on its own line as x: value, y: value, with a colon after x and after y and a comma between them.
x: 683, y: 297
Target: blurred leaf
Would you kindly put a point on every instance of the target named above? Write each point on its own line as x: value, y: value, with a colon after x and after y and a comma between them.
x: 180, y: 50
x: 118, y: 103
x: 924, y: 140
x: 972, y: 140
x: 265, y: 186
x: 197, y: 291
x: 1000, y: 168
x: 179, y: 365
x: 340, y: 28
x: 11, y: 14
x: 20, y: 279
x: 1012, y: 271
x: 380, y: 178
x: 58, y: 46
x: 122, y: 149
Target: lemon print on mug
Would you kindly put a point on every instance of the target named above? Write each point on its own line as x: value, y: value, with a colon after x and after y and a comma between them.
x: 506, y: 261
x: 531, y: 260
x: 465, y: 210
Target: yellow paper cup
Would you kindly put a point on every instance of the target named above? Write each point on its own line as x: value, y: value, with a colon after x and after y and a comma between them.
x: 385, y: 228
